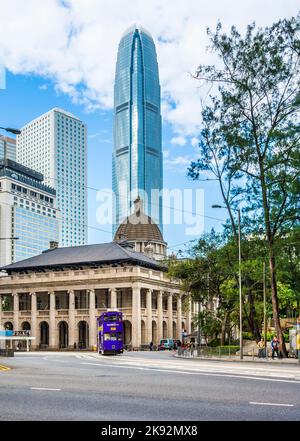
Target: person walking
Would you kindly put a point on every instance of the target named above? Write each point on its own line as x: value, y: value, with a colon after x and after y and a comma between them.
x: 151, y: 345
x: 192, y: 349
x: 261, y: 347
x: 275, y: 347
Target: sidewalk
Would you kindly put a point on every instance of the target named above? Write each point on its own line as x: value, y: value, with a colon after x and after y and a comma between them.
x: 246, y: 359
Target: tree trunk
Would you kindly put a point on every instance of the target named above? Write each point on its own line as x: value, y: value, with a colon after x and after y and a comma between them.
x: 223, y: 328
x: 252, y: 312
x: 278, y: 329
x: 270, y: 239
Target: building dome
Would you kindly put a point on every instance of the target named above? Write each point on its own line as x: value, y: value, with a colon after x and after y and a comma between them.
x: 140, y: 229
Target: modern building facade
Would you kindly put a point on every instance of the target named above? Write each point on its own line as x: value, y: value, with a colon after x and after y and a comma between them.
x: 55, y: 144
x: 27, y: 211
x: 58, y: 295
x: 137, y: 153
x: 8, y: 148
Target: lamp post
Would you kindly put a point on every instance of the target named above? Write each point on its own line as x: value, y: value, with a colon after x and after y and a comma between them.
x: 240, y: 277
x: 12, y: 241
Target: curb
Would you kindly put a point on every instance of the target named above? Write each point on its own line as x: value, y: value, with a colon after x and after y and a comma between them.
x: 291, y: 363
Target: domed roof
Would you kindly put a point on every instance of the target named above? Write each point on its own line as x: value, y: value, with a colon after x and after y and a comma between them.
x: 138, y: 226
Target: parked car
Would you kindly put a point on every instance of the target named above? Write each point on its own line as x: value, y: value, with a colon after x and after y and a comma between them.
x: 166, y: 343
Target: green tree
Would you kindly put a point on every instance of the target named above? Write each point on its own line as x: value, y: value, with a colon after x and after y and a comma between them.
x: 255, y: 117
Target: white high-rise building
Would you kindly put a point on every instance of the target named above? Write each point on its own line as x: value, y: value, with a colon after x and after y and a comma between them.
x: 55, y: 145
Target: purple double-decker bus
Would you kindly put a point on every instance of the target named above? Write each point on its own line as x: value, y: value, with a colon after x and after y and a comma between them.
x: 110, y: 333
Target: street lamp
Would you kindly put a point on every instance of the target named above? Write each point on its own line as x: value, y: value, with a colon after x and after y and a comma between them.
x: 14, y: 131
x: 240, y: 276
x: 9, y: 238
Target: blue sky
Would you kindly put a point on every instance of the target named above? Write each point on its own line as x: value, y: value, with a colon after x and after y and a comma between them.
x: 62, y: 54
x: 27, y: 96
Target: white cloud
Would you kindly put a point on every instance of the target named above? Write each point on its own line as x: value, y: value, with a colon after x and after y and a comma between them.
x: 195, y: 142
x: 179, y: 140
x: 74, y: 43
x: 178, y: 162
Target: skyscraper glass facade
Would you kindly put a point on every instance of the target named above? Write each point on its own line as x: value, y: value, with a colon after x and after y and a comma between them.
x: 55, y: 144
x: 137, y: 153
x: 7, y: 148
x: 27, y: 212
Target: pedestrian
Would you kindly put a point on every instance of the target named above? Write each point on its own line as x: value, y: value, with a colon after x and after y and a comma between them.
x: 261, y: 347
x: 275, y: 347
x: 192, y: 349
x: 151, y: 346
x: 188, y: 349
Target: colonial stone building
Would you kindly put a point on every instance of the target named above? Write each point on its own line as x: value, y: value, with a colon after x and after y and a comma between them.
x: 58, y: 294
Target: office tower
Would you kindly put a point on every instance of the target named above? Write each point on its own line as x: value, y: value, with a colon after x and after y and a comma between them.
x: 55, y: 145
x: 27, y: 212
x: 137, y: 154
x: 7, y: 148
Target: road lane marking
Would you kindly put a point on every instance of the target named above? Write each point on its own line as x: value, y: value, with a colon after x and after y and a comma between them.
x: 207, y: 374
x: 43, y: 388
x: 4, y: 368
x: 271, y: 404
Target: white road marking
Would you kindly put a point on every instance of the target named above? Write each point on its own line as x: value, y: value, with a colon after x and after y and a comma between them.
x: 210, y: 374
x: 43, y: 388
x: 271, y: 404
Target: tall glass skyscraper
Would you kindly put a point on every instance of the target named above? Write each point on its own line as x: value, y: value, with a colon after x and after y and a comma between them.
x: 137, y: 153
x: 55, y: 145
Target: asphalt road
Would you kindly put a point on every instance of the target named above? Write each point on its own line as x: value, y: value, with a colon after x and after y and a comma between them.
x: 145, y: 386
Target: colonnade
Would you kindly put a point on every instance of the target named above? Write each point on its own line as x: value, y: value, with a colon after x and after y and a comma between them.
x: 135, y: 315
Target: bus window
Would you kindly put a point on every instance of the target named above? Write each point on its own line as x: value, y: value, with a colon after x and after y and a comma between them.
x: 106, y: 336
x: 111, y: 318
x: 113, y: 337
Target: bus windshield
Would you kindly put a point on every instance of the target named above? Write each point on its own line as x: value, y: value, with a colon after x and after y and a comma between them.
x: 110, y: 318
x: 112, y: 337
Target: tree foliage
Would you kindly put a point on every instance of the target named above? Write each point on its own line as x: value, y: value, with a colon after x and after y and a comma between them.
x: 250, y: 138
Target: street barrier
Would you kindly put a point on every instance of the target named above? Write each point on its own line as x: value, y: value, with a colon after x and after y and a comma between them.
x: 7, y: 353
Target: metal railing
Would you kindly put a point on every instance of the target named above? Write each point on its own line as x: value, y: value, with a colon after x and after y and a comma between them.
x: 209, y: 352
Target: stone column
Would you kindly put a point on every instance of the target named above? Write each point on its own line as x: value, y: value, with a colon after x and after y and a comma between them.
x: 189, y: 318
x: 179, y: 317
x: 159, y: 316
x: 34, y: 332
x: 52, y: 327
x: 113, y: 298
x: 149, y: 314
x: 170, y: 315
x: 72, y: 327
x: 1, y: 321
x: 136, y: 316
x: 92, y: 314
x: 16, y: 310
